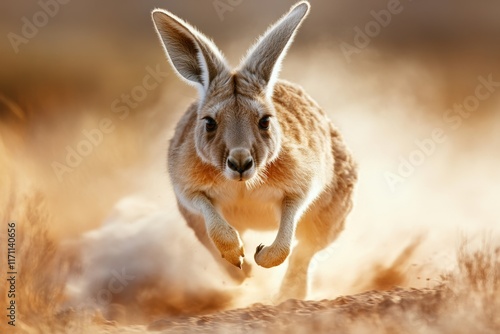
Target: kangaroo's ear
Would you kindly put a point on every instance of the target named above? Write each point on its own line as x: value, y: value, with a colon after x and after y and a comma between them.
x: 263, y: 60
x: 194, y: 57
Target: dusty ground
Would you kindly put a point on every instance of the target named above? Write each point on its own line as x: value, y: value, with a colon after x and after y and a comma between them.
x: 466, y: 302
x: 387, y: 309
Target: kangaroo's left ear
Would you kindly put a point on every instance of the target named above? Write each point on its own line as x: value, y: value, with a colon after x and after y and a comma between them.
x: 263, y: 60
x: 194, y: 57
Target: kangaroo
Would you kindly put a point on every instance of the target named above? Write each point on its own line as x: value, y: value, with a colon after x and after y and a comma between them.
x: 255, y: 152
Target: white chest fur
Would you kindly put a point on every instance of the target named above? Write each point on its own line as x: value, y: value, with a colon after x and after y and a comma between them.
x: 243, y: 208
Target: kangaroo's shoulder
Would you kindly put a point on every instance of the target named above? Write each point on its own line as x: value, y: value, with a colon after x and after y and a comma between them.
x: 293, y: 98
x: 302, y: 120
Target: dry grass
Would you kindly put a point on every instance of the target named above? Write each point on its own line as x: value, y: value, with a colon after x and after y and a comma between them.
x: 42, y: 267
x: 476, y: 289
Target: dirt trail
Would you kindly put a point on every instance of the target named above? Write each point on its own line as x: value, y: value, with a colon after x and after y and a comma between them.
x: 385, y: 309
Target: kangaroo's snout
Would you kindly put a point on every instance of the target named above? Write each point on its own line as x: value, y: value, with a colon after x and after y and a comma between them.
x: 241, y: 162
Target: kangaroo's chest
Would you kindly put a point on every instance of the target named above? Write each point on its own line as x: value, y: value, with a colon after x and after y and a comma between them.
x: 244, y: 208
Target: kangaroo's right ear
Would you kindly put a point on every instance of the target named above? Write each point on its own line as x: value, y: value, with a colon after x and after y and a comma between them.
x: 194, y: 57
x: 263, y: 60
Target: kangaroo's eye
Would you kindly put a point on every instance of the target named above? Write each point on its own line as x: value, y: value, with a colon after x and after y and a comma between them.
x: 210, y: 124
x: 264, y: 122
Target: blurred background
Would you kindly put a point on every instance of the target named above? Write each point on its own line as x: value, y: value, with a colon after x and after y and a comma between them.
x: 88, y: 103
x: 91, y: 47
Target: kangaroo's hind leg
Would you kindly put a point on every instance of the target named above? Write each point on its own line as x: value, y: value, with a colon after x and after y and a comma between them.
x: 197, y: 224
x: 323, y: 221
x: 295, y: 282
x: 315, y: 231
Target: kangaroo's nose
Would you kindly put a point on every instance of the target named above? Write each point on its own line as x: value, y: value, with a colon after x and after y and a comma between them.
x: 240, y: 161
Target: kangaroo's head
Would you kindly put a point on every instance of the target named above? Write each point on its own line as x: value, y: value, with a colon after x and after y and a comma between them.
x: 236, y: 129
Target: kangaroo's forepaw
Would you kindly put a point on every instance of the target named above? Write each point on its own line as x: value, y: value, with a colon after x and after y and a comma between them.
x: 229, y: 244
x: 270, y: 256
x: 234, y: 256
